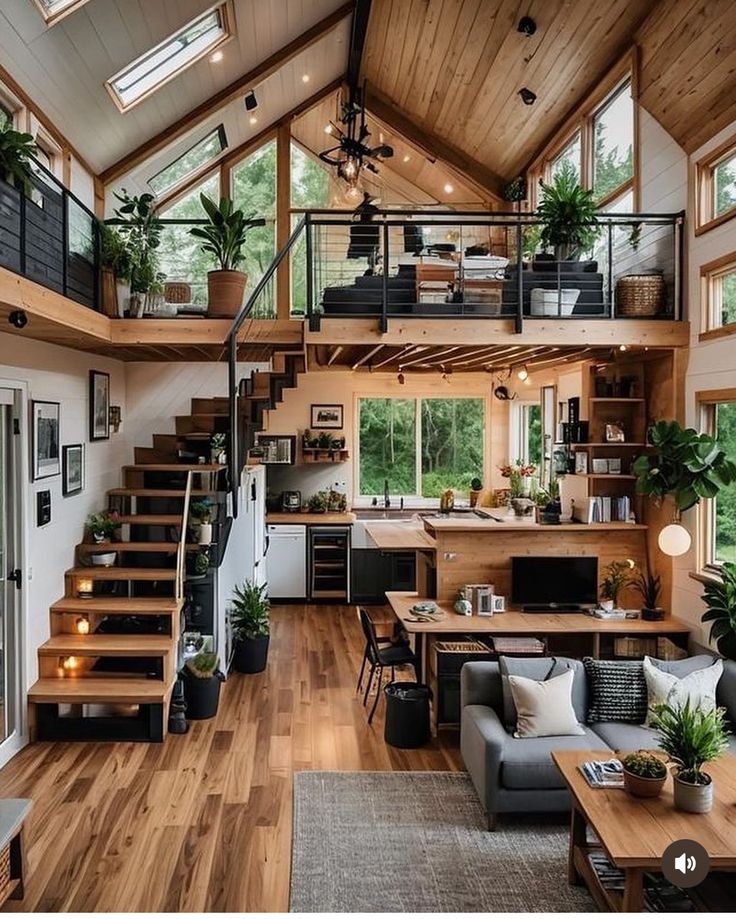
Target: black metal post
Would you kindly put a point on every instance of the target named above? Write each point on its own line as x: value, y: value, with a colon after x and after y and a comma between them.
x: 233, y: 453
x: 680, y: 265
x: 309, y: 255
x: 64, y: 238
x: 519, y: 325
x: 610, y: 270
x: 384, y: 298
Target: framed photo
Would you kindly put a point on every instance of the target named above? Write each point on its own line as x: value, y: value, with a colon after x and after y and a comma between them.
x: 99, y: 405
x: 499, y: 604
x: 615, y: 433
x: 614, y: 465
x: 600, y: 466
x: 72, y: 469
x: 327, y: 417
x: 581, y: 462
x: 45, y: 450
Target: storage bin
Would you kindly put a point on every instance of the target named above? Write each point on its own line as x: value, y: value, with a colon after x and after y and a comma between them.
x: 546, y: 302
x: 640, y: 295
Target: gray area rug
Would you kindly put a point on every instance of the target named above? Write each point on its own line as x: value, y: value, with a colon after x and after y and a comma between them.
x: 417, y: 842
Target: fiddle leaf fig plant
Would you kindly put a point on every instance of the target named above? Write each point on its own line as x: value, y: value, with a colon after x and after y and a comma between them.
x: 720, y: 598
x: 687, y: 465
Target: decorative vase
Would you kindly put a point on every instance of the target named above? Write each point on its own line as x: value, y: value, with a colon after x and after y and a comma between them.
x: 691, y: 798
x: 522, y: 507
x: 607, y: 605
x: 225, y: 290
x: 463, y: 607
x: 474, y: 496
x: 652, y: 614
x: 205, y: 534
x: 100, y: 538
x: 640, y: 786
x: 103, y: 559
x: 251, y: 654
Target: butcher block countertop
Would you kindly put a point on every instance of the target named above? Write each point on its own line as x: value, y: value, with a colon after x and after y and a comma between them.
x: 398, y: 535
x: 307, y: 519
x: 502, y: 525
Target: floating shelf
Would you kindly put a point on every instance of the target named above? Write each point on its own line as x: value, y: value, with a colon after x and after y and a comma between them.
x: 616, y: 399
x: 613, y: 443
x: 324, y: 455
x: 604, y: 475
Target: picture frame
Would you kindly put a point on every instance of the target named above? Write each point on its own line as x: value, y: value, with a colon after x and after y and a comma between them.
x: 72, y: 469
x: 499, y: 604
x: 581, y: 462
x: 600, y: 466
x: 99, y: 405
x: 326, y: 417
x: 614, y: 465
x: 615, y: 433
x: 45, y: 439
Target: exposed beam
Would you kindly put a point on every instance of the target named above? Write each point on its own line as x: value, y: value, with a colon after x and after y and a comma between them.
x: 334, y: 356
x: 366, y: 357
x: 465, y: 167
x: 357, y: 41
x: 256, y: 75
x: 407, y: 349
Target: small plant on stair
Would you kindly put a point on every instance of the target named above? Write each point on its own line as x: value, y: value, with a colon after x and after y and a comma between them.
x: 218, y: 444
x: 200, y: 513
x: 201, y: 678
x: 103, y: 525
x: 249, y: 618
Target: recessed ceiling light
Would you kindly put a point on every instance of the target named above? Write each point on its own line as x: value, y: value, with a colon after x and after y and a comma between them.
x: 449, y: 189
x: 216, y: 57
x: 623, y: 348
x: 328, y: 129
x: 305, y: 78
x: 253, y: 119
x: 406, y: 158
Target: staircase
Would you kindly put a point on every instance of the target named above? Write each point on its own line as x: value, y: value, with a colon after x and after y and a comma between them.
x: 110, y: 665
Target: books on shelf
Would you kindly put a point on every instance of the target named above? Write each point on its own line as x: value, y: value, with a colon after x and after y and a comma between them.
x: 599, y: 773
x: 603, y: 509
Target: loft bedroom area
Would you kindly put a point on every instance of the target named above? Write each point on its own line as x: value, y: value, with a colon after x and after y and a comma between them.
x: 367, y: 456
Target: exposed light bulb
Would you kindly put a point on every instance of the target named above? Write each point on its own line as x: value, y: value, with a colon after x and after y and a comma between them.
x: 406, y: 158
x: 253, y: 119
x: 449, y: 189
x: 216, y: 57
x: 328, y: 129
x: 523, y: 374
x: 622, y: 348
x: 82, y: 625
x: 349, y: 168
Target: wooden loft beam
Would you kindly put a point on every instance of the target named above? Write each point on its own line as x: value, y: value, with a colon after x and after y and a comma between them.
x: 259, y: 73
x: 357, y: 40
x: 465, y: 167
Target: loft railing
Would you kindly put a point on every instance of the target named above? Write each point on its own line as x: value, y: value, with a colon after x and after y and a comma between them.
x: 50, y: 237
x: 447, y: 264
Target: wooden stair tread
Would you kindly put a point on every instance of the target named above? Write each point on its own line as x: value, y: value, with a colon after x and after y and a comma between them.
x: 176, y: 467
x: 124, y: 606
x: 159, y: 492
x: 108, y: 645
x: 96, y: 689
x: 113, y: 573
x: 155, y: 520
x: 194, y: 435
x: 93, y: 547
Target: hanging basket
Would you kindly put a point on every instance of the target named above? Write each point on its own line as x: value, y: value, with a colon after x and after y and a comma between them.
x: 640, y: 295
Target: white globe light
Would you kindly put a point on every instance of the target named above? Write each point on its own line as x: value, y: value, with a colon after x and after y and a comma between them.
x: 674, y: 540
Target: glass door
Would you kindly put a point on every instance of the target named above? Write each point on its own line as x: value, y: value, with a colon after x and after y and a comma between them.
x: 10, y: 577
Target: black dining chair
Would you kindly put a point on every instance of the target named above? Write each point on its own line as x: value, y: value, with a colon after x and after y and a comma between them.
x: 380, y: 656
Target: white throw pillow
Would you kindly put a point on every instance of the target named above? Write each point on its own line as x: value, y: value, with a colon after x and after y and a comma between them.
x: 666, y: 689
x: 544, y: 708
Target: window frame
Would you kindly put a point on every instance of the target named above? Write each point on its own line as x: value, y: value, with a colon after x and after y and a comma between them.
x: 227, y: 20
x: 417, y: 398
x: 51, y: 17
x: 705, y: 216
x: 202, y: 169
x: 519, y: 432
x: 711, y: 326
x: 708, y: 402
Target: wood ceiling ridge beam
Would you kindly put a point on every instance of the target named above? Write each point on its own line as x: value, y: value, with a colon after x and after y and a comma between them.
x: 257, y: 74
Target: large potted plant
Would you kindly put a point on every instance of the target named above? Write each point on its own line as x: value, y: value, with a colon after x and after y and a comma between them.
x: 16, y: 150
x: 519, y: 491
x: 249, y: 618
x: 649, y: 587
x: 201, y: 678
x: 644, y: 774
x: 115, y: 263
x: 141, y: 229
x: 720, y: 598
x: 224, y: 237
x: 567, y: 212
x: 691, y: 737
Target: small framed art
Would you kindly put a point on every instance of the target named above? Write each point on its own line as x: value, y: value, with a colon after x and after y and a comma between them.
x: 72, y: 469
x: 45, y: 450
x: 327, y: 417
x: 99, y: 405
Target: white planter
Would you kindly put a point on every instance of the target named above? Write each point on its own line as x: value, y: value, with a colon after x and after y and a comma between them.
x: 607, y: 605
x: 205, y: 534
x: 693, y: 799
x: 103, y: 559
x: 123, y: 292
x: 545, y: 302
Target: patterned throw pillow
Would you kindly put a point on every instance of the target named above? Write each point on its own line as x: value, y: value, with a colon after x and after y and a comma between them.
x: 617, y: 691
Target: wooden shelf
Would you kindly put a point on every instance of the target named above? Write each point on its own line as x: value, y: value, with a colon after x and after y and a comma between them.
x: 612, y: 443
x: 325, y: 455
x: 631, y: 399
x: 605, y: 475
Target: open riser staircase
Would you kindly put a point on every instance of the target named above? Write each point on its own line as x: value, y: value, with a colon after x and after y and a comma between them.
x: 109, y: 667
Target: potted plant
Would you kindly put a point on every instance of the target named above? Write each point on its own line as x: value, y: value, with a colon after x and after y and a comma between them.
x: 218, y: 449
x: 224, y: 237
x: 318, y: 502
x: 16, y: 150
x: 552, y: 509
x: 201, y: 512
x: 649, y: 587
x: 198, y: 563
x: 201, y: 678
x: 476, y: 487
x: 691, y: 737
x: 325, y: 439
x: 518, y: 475
x: 141, y: 229
x: 103, y: 525
x: 567, y: 212
x: 644, y: 774
x: 720, y: 598
x: 249, y: 618
x: 115, y: 263
x: 615, y: 579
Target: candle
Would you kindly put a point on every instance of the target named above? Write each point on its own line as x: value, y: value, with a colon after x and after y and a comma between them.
x: 84, y: 587
x: 83, y: 625
x: 69, y: 664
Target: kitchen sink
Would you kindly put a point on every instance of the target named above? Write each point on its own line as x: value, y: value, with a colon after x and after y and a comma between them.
x: 387, y: 513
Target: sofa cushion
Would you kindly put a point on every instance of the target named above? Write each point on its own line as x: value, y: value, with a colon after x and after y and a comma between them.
x: 684, y: 667
x: 617, y: 691
x: 541, y: 668
x: 698, y: 688
x: 544, y: 707
x: 626, y: 737
x: 527, y: 762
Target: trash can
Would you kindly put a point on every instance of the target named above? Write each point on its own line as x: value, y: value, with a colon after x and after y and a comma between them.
x: 407, y: 714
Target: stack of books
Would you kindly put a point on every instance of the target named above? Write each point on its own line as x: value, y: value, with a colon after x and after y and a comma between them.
x: 518, y: 646
x: 603, y: 509
x: 607, y: 773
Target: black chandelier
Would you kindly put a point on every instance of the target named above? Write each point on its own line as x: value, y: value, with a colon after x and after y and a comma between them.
x: 353, y: 153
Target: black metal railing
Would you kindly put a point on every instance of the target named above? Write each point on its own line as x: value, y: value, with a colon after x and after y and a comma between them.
x: 451, y: 263
x: 50, y: 237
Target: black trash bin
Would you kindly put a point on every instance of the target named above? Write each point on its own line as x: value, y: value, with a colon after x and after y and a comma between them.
x: 407, y: 714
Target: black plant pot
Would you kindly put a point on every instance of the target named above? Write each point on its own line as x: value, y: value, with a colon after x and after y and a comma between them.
x: 251, y: 654
x: 652, y: 615
x: 203, y: 696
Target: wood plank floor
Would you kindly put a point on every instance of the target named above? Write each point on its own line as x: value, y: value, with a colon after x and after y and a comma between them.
x: 203, y: 821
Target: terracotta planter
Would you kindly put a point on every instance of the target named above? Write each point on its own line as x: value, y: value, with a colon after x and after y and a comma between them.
x: 642, y: 787
x: 225, y: 291
x: 474, y: 496
x: 693, y: 799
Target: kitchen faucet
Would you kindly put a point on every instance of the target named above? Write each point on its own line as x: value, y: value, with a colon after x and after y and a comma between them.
x: 386, y: 498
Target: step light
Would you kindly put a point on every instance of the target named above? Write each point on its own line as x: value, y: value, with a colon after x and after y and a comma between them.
x: 82, y: 625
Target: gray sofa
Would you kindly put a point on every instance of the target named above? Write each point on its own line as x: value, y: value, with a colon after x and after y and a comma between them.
x: 517, y: 774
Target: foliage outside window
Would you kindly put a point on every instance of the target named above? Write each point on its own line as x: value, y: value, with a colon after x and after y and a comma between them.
x: 571, y: 153
x: 6, y: 117
x: 613, y: 133
x: 528, y: 447
x: 716, y: 186
x: 421, y: 446
x: 724, y: 185
x: 719, y: 295
x: 190, y: 161
x: 720, y: 516
x: 310, y: 188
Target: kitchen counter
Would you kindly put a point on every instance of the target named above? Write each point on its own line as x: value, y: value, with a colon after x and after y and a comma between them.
x: 435, y: 525
x: 393, y: 536
x: 307, y: 519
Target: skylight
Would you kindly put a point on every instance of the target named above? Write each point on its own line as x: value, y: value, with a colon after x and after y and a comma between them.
x: 162, y: 63
x: 190, y: 161
x: 51, y: 10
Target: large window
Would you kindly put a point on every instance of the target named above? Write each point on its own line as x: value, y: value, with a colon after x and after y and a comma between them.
x: 162, y: 63
x: 719, y: 294
x: 6, y: 117
x: 528, y: 433
x: 421, y: 447
x: 613, y: 135
x: 716, y: 176
x: 310, y: 188
x: 195, y: 158
x: 719, y: 518
x: 570, y: 153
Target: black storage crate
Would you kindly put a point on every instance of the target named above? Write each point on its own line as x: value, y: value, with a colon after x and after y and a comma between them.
x: 450, y: 656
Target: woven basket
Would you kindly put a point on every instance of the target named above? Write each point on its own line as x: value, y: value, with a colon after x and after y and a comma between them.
x: 177, y: 292
x: 640, y: 295
x: 5, y: 879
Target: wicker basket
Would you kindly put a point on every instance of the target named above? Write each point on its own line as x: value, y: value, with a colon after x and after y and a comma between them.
x: 177, y: 292
x: 6, y: 883
x: 640, y: 295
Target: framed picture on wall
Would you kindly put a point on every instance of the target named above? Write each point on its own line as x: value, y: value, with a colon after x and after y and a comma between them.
x: 327, y: 417
x: 45, y: 449
x: 99, y: 405
x: 581, y: 462
x: 72, y: 469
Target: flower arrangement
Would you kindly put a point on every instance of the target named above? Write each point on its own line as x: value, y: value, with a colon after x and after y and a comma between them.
x: 516, y: 473
x: 103, y: 525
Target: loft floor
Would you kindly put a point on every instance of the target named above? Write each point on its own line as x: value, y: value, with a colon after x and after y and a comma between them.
x: 203, y: 822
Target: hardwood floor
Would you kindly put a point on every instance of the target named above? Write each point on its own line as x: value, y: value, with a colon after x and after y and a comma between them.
x: 203, y: 821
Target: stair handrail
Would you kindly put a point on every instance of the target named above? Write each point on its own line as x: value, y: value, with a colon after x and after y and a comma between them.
x: 232, y: 358
x: 182, y: 548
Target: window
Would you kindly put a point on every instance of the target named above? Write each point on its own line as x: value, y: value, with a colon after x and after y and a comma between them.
x: 571, y: 153
x: 613, y: 138
x: 162, y: 63
x: 6, y: 117
x: 310, y: 188
x: 718, y: 285
x: 528, y: 436
x: 53, y: 10
x: 420, y: 446
x: 716, y: 175
x: 724, y: 185
x: 719, y: 519
x: 195, y: 158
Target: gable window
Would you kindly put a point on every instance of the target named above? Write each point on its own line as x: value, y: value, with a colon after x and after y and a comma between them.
x: 162, y: 63
x: 310, y: 188
x: 719, y: 517
x: 189, y: 162
x: 718, y: 286
x: 53, y: 10
x: 613, y: 143
x: 716, y: 184
x: 421, y: 447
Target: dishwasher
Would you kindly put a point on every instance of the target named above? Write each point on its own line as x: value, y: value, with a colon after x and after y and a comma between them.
x: 287, y: 562
x: 329, y: 563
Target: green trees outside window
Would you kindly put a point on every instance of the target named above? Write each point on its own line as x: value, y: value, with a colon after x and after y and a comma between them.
x: 613, y: 129
x: 725, y: 503
x: 310, y: 188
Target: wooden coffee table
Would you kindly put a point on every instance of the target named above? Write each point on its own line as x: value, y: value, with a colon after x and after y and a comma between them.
x: 634, y: 832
